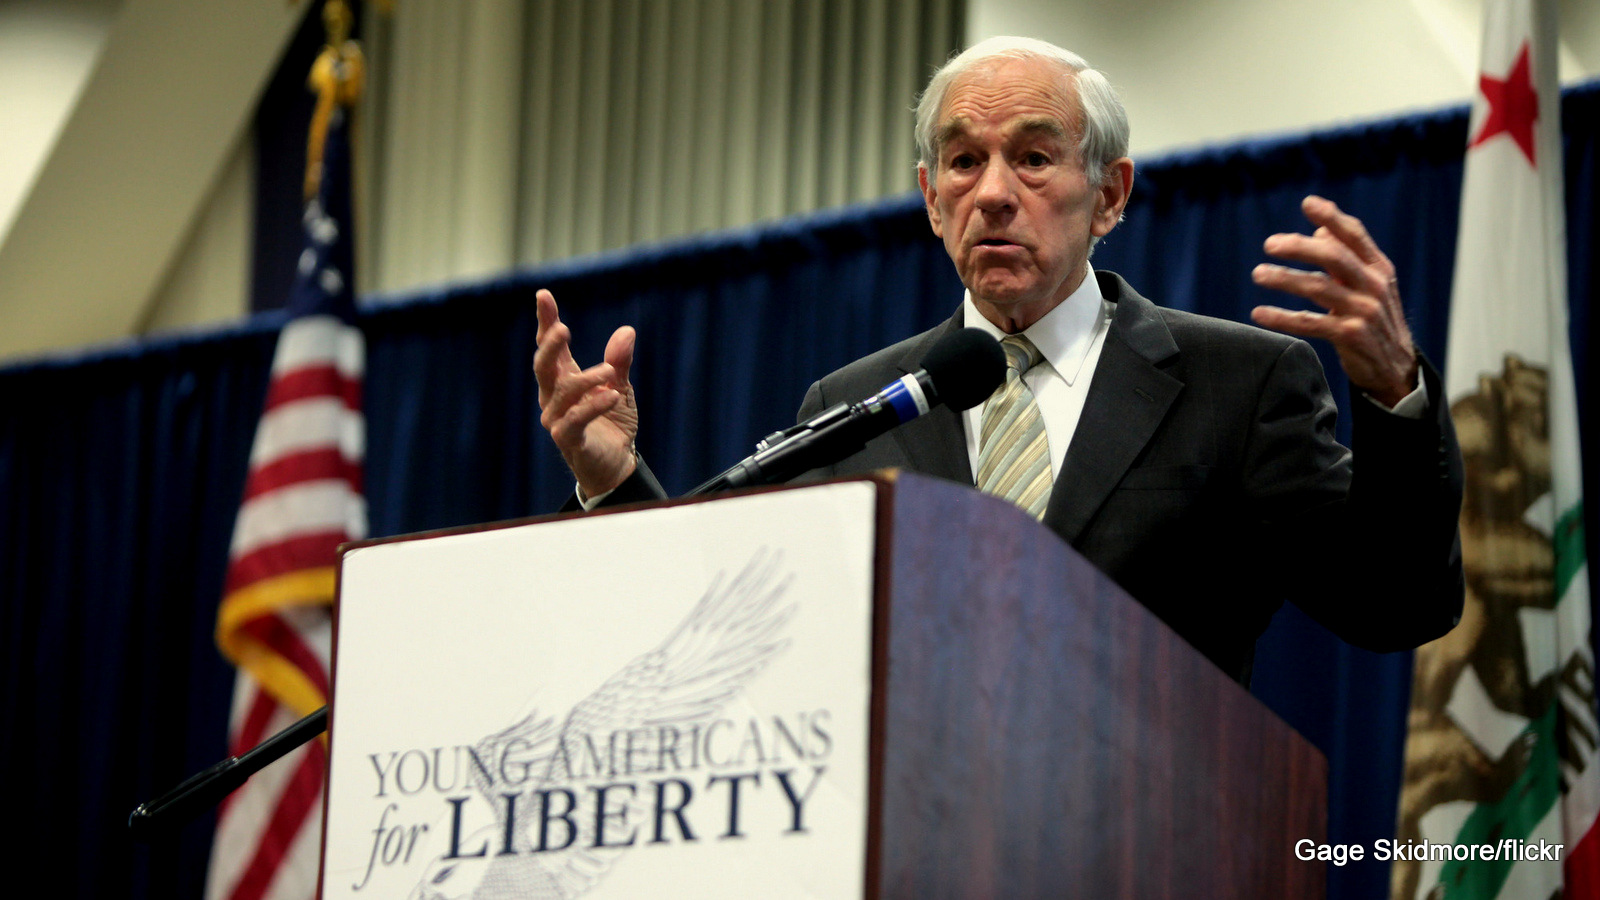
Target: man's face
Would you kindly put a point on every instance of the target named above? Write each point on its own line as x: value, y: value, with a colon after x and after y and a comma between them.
x: 1011, y: 199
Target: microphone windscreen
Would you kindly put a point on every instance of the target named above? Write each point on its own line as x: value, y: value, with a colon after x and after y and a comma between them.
x: 965, y: 367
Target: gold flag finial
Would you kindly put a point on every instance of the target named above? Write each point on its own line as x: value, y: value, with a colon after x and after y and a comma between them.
x: 337, y: 77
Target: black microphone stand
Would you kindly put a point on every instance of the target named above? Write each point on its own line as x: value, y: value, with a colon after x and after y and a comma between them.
x: 206, y: 789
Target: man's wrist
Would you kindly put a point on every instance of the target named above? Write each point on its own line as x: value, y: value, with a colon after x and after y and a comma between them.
x: 588, y: 501
x: 1412, y: 406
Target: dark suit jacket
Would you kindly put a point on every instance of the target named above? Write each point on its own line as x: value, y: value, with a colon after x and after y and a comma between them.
x: 1205, y: 479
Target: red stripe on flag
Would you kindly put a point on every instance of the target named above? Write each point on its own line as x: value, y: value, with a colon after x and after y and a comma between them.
x: 256, y: 720
x: 1581, y: 868
x: 303, y: 551
x: 311, y: 381
x: 289, y: 815
x: 285, y: 641
x: 297, y: 468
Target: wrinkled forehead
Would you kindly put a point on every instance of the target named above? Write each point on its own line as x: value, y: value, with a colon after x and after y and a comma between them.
x: 1024, y: 127
x: 1031, y: 93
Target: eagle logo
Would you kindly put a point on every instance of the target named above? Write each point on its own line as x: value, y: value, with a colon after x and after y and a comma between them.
x: 727, y: 639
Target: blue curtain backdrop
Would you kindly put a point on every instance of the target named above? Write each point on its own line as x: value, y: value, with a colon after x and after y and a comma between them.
x: 120, y: 471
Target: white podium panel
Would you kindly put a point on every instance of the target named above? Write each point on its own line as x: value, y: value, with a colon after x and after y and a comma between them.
x: 667, y: 703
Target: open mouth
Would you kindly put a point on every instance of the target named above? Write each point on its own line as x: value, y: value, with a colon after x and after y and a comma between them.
x: 995, y: 242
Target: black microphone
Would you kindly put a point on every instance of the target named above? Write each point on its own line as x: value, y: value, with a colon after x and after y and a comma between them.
x: 960, y: 371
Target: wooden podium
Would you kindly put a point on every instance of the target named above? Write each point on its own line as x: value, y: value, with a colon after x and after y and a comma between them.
x: 1030, y: 731
x: 1044, y: 735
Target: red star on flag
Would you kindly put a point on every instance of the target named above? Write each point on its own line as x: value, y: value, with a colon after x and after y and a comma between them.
x: 1513, y: 106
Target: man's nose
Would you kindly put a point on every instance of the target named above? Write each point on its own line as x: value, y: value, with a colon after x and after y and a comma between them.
x: 996, y: 190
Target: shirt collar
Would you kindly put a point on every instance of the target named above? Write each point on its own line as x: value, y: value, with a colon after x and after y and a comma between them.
x: 1064, y: 334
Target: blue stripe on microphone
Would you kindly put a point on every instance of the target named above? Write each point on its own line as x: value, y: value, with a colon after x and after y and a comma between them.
x: 899, y: 396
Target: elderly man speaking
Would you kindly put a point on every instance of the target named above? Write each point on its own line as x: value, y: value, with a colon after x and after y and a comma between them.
x: 1189, y: 458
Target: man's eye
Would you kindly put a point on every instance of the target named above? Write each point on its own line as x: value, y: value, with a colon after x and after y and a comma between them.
x: 1036, y: 159
x: 962, y: 161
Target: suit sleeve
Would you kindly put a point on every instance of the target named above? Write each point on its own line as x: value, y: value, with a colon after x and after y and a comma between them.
x: 640, y: 487
x: 1381, y: 565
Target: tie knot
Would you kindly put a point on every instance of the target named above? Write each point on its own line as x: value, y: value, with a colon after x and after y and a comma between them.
x: 1021, y: 354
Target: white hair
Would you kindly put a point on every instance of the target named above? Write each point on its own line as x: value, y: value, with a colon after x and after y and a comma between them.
x: 1105, y: 122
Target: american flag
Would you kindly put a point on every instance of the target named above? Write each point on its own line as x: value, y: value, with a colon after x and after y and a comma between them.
x: 302, y: 499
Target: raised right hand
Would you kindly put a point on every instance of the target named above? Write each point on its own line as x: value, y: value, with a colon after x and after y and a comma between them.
x: 590, y: 412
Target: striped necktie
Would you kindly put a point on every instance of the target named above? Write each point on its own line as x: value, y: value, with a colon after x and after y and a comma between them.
x: 1013, y: 452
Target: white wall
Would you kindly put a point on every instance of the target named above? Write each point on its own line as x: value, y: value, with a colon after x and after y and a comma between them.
x: 209, y: 281
x: 132, y: 167
x: 47, y: 48
x: 1201, y: 71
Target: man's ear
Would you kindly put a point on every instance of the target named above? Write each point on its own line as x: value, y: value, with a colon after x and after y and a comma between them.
x: 930, y: 195
x: 1113, y: 196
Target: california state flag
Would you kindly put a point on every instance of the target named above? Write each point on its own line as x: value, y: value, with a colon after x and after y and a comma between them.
x: 1501, y: 748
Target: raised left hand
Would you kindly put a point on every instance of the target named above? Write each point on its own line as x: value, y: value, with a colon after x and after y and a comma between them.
x: 1357, y: 286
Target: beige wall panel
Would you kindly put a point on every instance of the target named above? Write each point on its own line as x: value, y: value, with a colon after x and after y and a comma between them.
x: 47, y: 50
x: 209, y: 281
x: 172, y: 91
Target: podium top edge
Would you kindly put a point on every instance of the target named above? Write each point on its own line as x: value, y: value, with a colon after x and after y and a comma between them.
x: 883, y: 477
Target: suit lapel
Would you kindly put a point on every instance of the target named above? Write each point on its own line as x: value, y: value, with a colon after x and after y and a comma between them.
x: 935, y: 443
x: 1128, y: 398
